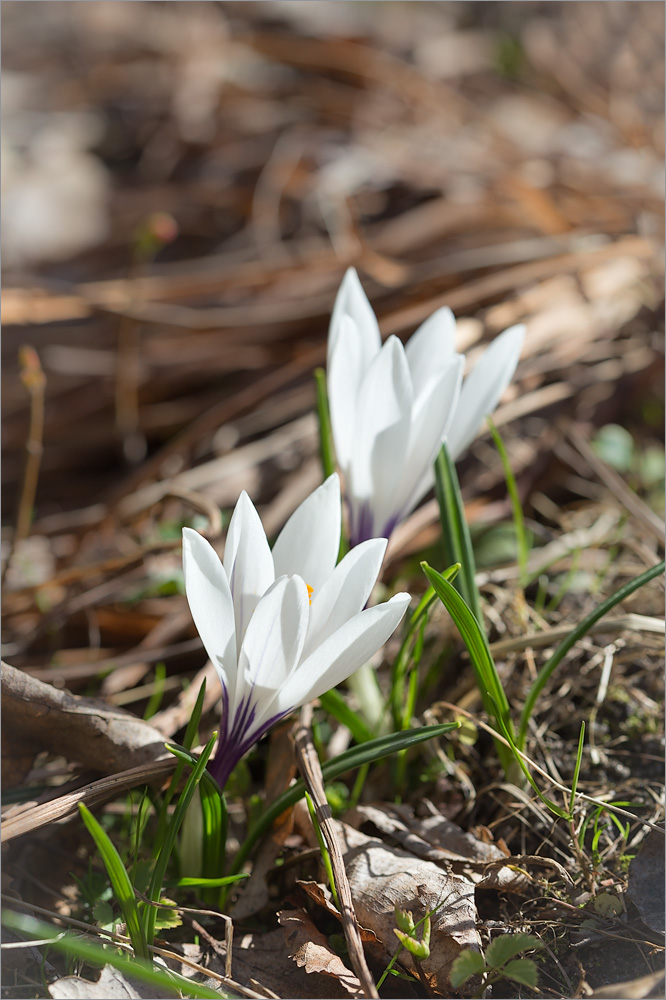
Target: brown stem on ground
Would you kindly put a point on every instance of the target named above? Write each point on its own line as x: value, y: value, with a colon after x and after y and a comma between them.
x: 310, y: 768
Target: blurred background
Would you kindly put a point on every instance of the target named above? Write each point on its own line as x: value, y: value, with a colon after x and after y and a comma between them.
x: 184, y: 185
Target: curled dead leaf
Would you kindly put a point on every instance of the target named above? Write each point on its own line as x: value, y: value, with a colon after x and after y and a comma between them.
x: 310, y: 950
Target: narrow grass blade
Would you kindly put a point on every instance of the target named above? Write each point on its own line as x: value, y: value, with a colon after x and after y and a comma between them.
x: 413, y: 677
x: 455, y: 533
x: 97, y: 955
x: 407, y: 688
x: 170, y: 834
x: 397, y: 697
x: 334, y: 703
x: 189, y: 759
x: 192, y: 881
x: 190, y: 736
x: 120, y: 882
x: 548, y: 668
x: 155, y: 699
x: 351, y: 759
x: 576, y: 774
x: 195, y: 718
x: 485, y: 671
x: 214, y: 836
x: 142, y: 817
x: 522, y: 540
x: 430, y: 595
x: 213, y: 808
x: 326, y: 446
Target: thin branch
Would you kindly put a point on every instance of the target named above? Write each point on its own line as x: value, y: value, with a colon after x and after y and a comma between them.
x: 310, y: 768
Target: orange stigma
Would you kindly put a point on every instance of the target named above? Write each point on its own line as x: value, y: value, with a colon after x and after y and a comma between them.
x: 309, y: 593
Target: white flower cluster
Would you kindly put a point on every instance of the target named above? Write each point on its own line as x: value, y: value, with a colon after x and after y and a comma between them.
x: 284, y: 626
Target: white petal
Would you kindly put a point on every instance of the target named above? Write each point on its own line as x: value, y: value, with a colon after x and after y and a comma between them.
x: 382, y: 433
x: 431, y: 348
x: 430, y: 420
x: 483, y: 388
x: 210, y: 601
x: 344, y: 376
x: 346, y: 591
x: 310, y: 540
x: 247, y: 561
x: 352, y: 301
x: 273, y: 644
x: 342, y: 653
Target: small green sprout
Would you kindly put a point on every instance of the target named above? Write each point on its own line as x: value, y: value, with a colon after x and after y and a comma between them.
x: 406, y: 934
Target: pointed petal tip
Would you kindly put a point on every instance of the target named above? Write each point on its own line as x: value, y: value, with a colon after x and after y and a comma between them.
x: 193, y: 539
x: 394, y: 343
x: 351, y: 277
x: 309, y: 542
x: 444, y: 315
x: 350, y: 292
x: 331, y: 482
x: 513, y: 337
x: 244, y: 500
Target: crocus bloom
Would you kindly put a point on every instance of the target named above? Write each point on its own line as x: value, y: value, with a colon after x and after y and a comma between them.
x: 285, y: 626
x: 392, y: 406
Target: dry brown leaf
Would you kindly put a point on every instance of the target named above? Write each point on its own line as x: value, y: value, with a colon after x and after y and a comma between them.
x: 310, y: 950
x: 434, y: 838
x: 321, y: 895
x: 111, y: 985
x: 382, y: 877
x: 261, y: 961
x: 85, y: 730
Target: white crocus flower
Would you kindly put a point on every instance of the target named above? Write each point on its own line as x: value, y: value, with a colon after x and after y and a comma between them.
x: 392, y: 406
x: 285, y: 626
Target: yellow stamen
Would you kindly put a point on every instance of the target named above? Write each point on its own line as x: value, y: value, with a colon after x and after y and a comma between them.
x: 309, y: 593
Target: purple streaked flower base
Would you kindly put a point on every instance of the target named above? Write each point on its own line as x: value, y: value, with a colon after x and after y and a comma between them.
x: 362, y: 524
x: 235, y: 741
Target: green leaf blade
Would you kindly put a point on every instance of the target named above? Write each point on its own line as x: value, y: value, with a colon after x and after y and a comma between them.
x: 171, y: 831
x: 326, y: 445
x: 192, y: 881
x: 522, y: 540
x: 97, y: 955
x: 485, y: 671
x: 468, y: 963
x: 334, y: 703
x: 503, y: 948
x: 455, y: 532
x: 120, y: 882
x: 523, y: 971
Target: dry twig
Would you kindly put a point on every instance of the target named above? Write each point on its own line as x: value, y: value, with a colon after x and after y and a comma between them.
x: 310, y: 768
